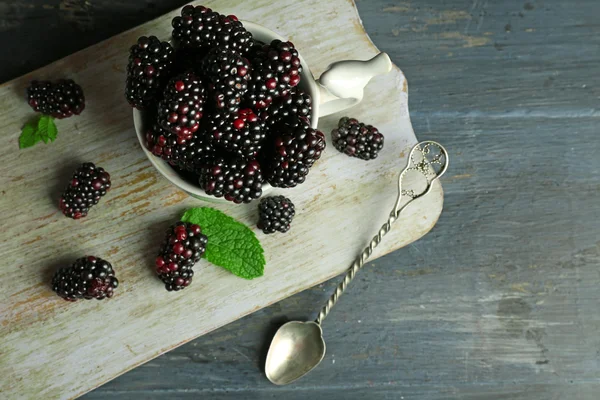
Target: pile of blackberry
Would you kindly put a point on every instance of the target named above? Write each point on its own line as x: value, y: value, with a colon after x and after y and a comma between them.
x: 183, y: 247
x: 88, y: 184
x: 88, y: 278
x: 222, y: 108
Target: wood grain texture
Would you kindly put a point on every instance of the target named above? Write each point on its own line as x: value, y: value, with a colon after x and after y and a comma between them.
x: 88, y: 343
x: 499, y: 301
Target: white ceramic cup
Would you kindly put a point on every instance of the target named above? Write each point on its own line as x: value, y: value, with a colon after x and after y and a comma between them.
x: 339, y: 88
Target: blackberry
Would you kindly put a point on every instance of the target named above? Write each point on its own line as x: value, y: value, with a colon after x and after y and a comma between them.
x: 88, y: 278
x: 234, y: 36
x: 233, y: 178
x: 187, y: 154
x: 282, y: 61
x: 150, y: 65
x: 88, y: 185
x: 181, y: 108
x: 286, y: 109
x: 201, y: 27
x: 228, y: 74
x: 275, y: 214
x: 241, y: 133
x: 193, y: 155
x: 294, y: 150
x: 357, y: 139
x: 183, y: 247
x: 60, y: 99
x: 261, y: 89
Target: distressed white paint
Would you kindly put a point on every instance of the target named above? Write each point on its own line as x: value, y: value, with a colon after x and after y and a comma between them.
x: 54, y: 349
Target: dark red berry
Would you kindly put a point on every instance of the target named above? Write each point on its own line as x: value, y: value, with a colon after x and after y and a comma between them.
x: 88, y: 278
x: 88, y: 185
x: 181, y: 108
x: 60, y: 99
x: 275, y: 214
x: 183, y: 247
x: 234, y: 179
x: 357, y: 139
x: 149, y: 67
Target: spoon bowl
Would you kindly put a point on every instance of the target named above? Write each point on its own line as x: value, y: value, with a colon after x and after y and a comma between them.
x: 296, y: 349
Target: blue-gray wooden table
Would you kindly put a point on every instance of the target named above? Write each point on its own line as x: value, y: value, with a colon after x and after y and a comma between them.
x: 500, y: 300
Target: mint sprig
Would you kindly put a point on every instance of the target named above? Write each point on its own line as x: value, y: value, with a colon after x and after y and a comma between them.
x: 231, y: 244
x: 45, y: 130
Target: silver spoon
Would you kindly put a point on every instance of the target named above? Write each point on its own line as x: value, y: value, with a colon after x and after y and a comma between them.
x: 298, y: 347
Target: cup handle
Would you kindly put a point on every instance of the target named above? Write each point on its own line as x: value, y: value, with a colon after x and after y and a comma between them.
x: 342, y: 85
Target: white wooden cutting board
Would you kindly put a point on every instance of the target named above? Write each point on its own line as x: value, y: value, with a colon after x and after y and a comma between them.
x: 50, y: 348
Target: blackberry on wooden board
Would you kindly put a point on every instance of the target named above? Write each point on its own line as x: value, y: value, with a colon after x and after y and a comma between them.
x: 61, y: 99
x: 183, y: 247
x: 150, y: 65
x: 292, y: 153
x: 88, y: 278
x: 233, y: 178
x: 241, y: 133
x: 227, y: 74
x: 357, y: 139
x: 88, y: 184
x: 201, y: 27
x: 275, y: 214
x: 182, y: 105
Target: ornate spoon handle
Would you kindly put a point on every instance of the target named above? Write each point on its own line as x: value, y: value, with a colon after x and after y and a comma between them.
x: 428, y: 159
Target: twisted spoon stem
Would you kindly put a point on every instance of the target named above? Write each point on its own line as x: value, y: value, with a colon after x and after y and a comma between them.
x: 357, y: 265
x: 423, y: 168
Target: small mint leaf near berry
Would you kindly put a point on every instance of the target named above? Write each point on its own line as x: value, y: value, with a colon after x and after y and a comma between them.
x: 183, y: 247
x: 47, y: 129
x: 88, y: 278
x: 88, y: 184
x: 231, y: 244
x: 29, y: 136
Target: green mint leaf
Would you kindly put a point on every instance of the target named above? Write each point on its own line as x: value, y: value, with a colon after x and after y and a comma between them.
x: 29, y: 136
x: 231, y: 244
x: 47, y: 128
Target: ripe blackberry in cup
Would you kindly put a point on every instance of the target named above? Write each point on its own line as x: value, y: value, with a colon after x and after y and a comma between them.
x: 187, y: 154
x: 201, y: 27
x: 232, y: 178
x: 287, y: 109
x: 241, y: 133
x: 292, y: 153
x: 357, y: 139
x: 88, y: 278
x: 281, y: 60
x: 149, y: 68
x: 228, y: 74
x: 60, y: 99
x: 182, y: 248
x: 182, y: 105
x: 88, y: 184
